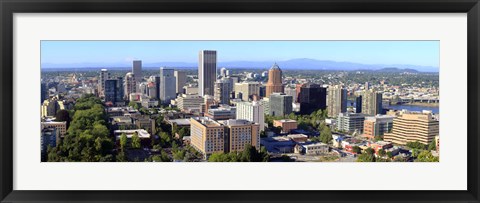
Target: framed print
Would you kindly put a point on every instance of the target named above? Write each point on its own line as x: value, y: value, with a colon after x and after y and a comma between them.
x: 200, y: 101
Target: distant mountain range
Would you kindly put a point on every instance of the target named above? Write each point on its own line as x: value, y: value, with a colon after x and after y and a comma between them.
x: 302, y: 63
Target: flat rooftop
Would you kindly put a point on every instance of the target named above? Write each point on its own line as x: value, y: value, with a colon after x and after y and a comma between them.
x: 287, y: 121
x: 180, y: 121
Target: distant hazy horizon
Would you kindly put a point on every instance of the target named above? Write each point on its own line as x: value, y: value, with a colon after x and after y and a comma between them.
x: 323, y: 55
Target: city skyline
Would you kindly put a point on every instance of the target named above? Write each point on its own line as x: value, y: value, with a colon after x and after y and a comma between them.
x: 97, y: 115
x: 121, y: 53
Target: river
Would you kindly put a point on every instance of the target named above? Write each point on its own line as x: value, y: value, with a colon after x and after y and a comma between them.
x: 434, y: 109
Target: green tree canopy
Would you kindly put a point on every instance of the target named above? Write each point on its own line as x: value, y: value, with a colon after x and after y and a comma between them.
x: 136, y: 142
x: 426, y: 156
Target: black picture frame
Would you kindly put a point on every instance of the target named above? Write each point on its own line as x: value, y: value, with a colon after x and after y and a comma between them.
x: 10, y: 7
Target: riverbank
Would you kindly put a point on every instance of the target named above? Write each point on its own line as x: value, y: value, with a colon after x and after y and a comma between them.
x: 422, y: 104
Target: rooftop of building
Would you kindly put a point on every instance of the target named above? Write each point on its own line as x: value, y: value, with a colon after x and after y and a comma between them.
x: 349, y: 114
x: 286, y: 121
x: 275, y: 67
x: 236, y: 122
x: 53, y: 122
x: 312, y: 144
x: 297, y: 136
x: 206, y: 121
x: 379, y: 116
x: 180, y: 121
x: 129, y: 133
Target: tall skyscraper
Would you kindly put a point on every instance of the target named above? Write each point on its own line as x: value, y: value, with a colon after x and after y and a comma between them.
x: 137, y: 70
x: 358, y: 104
x: 181, y: 79
x: 130, y: 85
x: 111, y: 91
x: 167, y: 84
x: 222, y: 91
x: 252, y: 111
x: 280, y: 104
x: 413, y: 127
x: 114, y: 90
x: 337, y: 100
x: 371, y: 102
x: 274, y: 83
x: 104, y: 75
x: 43, y: 91
x: 157, y: 86
x: 120, y: 90
x: 311, y: 98
x: 207, y: 72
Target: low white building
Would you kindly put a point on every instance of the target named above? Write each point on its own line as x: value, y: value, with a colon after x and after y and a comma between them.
x: 143, y: 134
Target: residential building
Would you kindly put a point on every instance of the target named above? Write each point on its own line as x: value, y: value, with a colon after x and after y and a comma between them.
x: 252, y: 111
x: 207, y: 135
x: 130, y: 85
x: 377, y: 125
x: 241, y: 133
x: 207, y: 72
x: 223, y: 88
x: 371, y: 102
x: 275, y: 83
x: 312, y: 97
x: 337, y: 100
x: 280, y: 104
x: 287, y: 125
x: 104, y: 75
x: 350, y: 122
x: 413, y: 127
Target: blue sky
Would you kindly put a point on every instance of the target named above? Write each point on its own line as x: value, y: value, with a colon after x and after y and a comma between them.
x: 422, y: 53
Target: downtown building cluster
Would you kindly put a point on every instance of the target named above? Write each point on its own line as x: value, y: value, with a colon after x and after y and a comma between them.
x: 226, y: 112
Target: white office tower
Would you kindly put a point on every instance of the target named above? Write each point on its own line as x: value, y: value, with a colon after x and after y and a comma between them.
x: 207, y: 72
x: 167, y: 85
x: 137, y: 70
x: 130, y: 85
x: 223, y: 72
x: 252, y: 111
